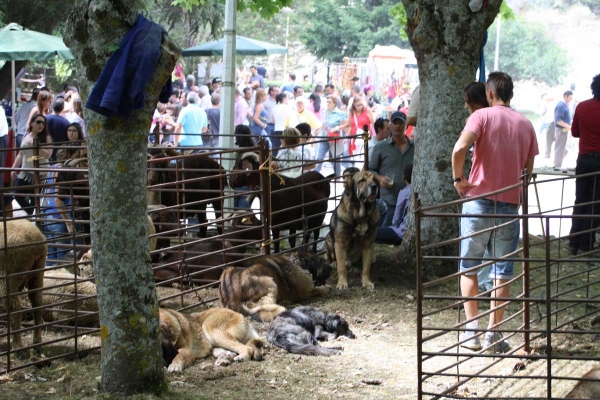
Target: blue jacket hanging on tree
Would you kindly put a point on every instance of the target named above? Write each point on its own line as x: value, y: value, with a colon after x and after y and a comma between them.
x: 121, y: 87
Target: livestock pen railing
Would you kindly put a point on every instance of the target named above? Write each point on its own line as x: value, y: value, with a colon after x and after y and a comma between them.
x: 198, y: 224
x: 552, y: 312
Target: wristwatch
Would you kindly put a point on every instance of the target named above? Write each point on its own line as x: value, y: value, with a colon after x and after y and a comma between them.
x: 458, y: 179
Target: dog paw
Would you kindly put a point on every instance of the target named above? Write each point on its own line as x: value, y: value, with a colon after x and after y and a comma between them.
x: 175, y: 368
x: 342, y: 285
x: 240, y: 358
x: 368, y: 285
x: 223, y: 361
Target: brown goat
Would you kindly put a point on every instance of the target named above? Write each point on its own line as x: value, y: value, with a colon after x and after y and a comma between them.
x: 305, y: 205
x: 31, y: 257
x: 244, y: 227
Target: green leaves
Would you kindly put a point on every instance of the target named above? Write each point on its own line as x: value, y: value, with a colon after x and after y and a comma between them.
x: 266, y: 8
x: 527, y: 52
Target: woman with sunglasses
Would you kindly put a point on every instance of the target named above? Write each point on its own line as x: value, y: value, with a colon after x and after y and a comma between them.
x: 25, y: 159
x: 358, y: 116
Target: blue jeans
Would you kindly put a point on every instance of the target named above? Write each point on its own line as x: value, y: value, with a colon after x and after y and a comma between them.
x: 53, y: 230
x: 322, y: 150
x: 241, y: 201
x: 382, y: 207
x: 495, y: 243
x: 386, y: 235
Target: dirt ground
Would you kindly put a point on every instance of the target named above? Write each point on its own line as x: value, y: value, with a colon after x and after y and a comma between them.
x: 379, y: 364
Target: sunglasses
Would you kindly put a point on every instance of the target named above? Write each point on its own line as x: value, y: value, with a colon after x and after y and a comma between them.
x: 40, y: 122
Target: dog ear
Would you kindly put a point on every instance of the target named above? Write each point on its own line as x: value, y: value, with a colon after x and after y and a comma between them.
x: 349, y: 185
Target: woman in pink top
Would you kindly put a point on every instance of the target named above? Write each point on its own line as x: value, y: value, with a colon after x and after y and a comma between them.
x: 358, y: 116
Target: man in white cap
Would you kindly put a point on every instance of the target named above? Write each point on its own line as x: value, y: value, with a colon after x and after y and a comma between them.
x: 301, y: 114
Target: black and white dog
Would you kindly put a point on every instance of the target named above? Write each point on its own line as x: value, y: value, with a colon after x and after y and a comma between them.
x: 299, y: 330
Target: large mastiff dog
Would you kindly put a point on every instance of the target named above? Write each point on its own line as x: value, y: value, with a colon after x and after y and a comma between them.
x: 272, y: 280
x: 353, y: 227
x: 213, y: 331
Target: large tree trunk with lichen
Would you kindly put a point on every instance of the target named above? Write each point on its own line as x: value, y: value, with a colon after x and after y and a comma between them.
x: 127, y: 300
x: 447, y: 39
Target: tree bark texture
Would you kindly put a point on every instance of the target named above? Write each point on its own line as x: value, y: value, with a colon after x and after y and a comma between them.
x: 447, y: 39
x: 127, y: 300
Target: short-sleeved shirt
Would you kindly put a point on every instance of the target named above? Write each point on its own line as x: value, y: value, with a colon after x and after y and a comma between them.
x: 387, y: 159
x: 214, y: 120
x: 505, y: 140
x: 240, y: 113
x: 287, y: 158
x: 306, y: 116
x: 562, y: 113
x: 586, y: 126
x: 258, y: 78
x: 269, y: 105
x: 193, y: 119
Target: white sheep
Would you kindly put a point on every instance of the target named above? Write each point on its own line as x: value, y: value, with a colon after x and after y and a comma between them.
x: 59, y: 287
x: 31, y: 256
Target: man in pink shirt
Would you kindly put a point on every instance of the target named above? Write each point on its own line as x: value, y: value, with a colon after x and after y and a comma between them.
x: 505, y: 145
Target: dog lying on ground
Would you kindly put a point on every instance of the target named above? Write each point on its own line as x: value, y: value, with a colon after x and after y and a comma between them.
x: 587, y: 389
x: 273, y: 280
x: 353, y: 227
x: 197, y: 335
x: 299, y: 330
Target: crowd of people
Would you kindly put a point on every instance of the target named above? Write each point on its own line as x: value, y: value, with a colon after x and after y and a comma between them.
x: 56, y: 123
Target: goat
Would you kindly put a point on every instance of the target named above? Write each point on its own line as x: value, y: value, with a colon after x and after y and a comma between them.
x: 303, y: 203
x: 244, y: 227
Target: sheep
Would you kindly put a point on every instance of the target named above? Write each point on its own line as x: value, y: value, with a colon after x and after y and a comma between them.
x: 30, y: 257
x: 59, y: 287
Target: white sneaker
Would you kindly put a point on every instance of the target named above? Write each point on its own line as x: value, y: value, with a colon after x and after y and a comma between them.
x: 491, y: 346
x: 473, y: 343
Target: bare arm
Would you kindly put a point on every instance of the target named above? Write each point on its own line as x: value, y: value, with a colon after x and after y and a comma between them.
x: 256, y: 117
x: 46, y: 153
x: 459, y: 153
x: 411, y: 121
x: 529, y: 168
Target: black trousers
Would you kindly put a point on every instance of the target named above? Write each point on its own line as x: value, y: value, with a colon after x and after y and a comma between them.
x: 586, y: 190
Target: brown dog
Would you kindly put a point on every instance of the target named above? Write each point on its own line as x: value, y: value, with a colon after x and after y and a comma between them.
x: 353, y: 227
x: 198, y: 335
x: 272, y: 280
x: 587, y: 389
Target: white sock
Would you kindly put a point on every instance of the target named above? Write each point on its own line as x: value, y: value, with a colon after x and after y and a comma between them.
x: 472, y: 325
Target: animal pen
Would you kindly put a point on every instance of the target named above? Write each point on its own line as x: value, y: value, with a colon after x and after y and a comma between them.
x: 186, y: 265
x: 552, y: 316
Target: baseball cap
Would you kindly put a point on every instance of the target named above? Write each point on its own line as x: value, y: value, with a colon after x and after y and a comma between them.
x: 302, y: 99
x: 398, y: 115
x: 216, y: 80
x: 355, y: 78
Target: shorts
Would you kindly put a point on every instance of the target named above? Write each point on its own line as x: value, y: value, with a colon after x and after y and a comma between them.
x: 491, y: 244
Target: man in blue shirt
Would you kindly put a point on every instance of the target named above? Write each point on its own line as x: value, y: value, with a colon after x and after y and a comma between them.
x: 289, y: 87
x: 393, y: 234
x: 562, y: 126
x: 192, y: 123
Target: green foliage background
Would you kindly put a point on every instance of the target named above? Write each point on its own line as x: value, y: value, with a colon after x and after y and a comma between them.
x: 527, y: 52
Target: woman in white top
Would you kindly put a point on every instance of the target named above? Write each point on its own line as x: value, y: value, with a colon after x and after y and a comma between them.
x: 280, y: 113
x: 25, y: 159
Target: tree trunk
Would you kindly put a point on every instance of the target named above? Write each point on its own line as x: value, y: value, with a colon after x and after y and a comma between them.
x: 446, y: 38
x: 127, y: 300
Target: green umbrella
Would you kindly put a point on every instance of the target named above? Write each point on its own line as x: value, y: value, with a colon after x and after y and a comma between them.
x: 244, y: 46
x: 18, y: 44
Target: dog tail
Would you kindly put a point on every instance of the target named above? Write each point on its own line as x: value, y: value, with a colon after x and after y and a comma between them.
x: 264, y: 313
x: 308, y: 349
